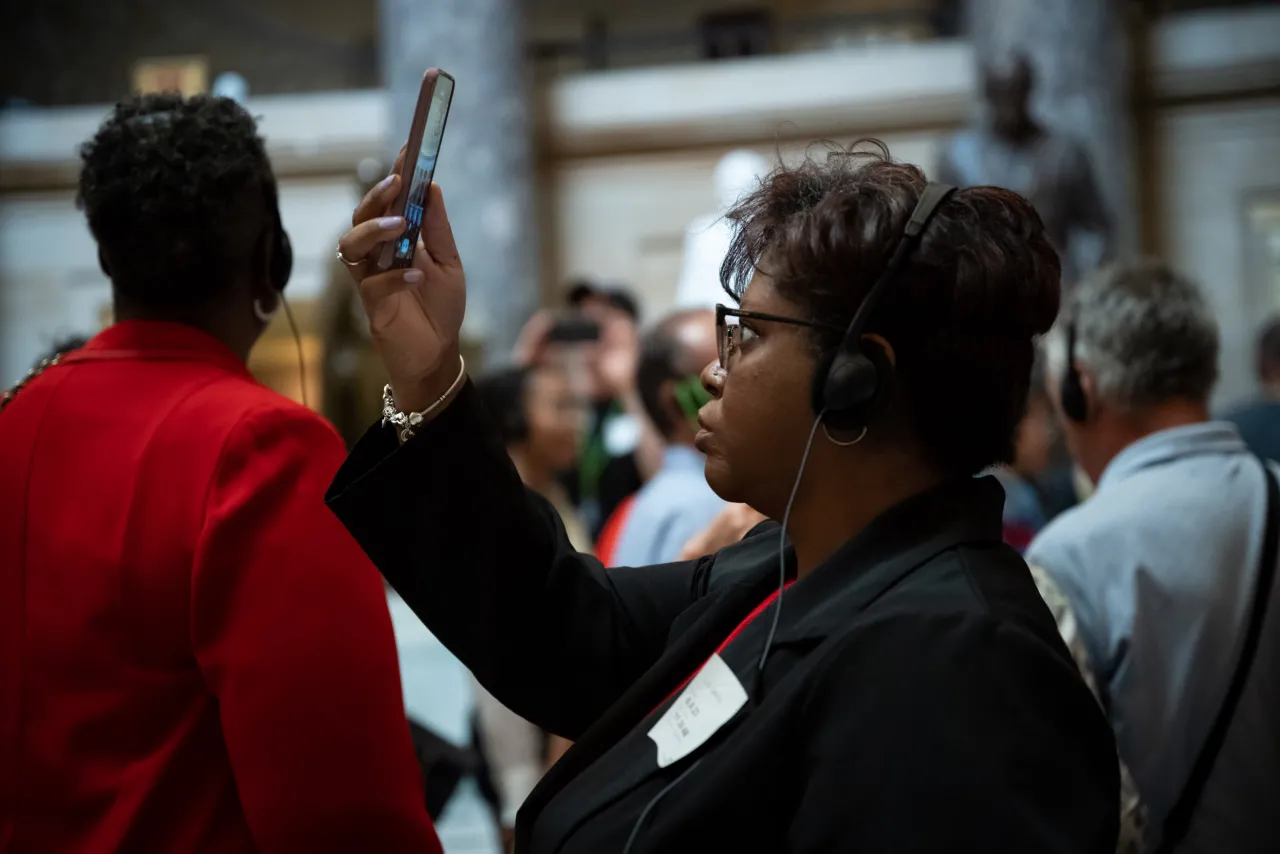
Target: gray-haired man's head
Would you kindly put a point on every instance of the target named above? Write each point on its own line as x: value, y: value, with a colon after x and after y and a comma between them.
x: 1146, y: 350
x: 1144, y: 334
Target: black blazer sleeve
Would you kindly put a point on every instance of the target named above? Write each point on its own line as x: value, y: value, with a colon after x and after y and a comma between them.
x: 972, y: 728
x: 487, y: 566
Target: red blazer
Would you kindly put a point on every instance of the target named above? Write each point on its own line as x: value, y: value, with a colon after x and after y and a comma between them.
x: 194, y: 655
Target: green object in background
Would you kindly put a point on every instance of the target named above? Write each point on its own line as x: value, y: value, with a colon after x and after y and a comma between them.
x: 691, y: 396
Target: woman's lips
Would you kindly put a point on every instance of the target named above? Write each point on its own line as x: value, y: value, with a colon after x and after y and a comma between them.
x: 701, y: 440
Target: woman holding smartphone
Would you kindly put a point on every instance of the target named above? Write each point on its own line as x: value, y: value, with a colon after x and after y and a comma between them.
x: 909, y: 692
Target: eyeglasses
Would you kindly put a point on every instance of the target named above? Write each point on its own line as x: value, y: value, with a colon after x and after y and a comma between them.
x: 729, y: 329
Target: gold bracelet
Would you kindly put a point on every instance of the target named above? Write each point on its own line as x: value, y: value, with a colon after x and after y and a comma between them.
x: 406, y: 423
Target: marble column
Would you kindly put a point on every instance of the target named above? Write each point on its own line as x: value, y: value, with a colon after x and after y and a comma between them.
x: 1080, y: 51
x: 486, y: 166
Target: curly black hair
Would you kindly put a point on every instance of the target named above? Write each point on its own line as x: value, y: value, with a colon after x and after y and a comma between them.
x: 176, y: 193
x: 964, y: 313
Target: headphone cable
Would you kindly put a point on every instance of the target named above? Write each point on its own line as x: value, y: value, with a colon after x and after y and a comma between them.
x: 782, y: 539
x: 297, y: 343
x: 635, y: 829
x: 777, y: 611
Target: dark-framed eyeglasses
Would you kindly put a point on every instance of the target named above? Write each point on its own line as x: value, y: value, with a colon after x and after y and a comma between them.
x: 729, y: 329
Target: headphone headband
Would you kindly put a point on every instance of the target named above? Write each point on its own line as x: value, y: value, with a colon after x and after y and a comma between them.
x: 854, y: 382
x: 930, y: 200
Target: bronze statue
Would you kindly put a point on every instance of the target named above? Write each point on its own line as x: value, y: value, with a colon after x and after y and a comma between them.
x: 1008, y: 148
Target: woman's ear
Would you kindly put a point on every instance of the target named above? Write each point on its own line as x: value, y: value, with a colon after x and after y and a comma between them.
x: 880, y: 341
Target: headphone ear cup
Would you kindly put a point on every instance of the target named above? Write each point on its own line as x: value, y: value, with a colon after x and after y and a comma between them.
x: 854, y: 388
x: 281, y: 257
x: 280, y: 266
x: 885, y: 382
x: 1075, y: 403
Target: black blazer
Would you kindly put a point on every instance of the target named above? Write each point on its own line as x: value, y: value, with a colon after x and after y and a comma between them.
x: 917, y: 697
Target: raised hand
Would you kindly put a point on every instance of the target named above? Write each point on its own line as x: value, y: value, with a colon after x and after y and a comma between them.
x: 415, y: 314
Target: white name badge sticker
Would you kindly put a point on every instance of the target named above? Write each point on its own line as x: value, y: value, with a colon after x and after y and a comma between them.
x: 706, y: 704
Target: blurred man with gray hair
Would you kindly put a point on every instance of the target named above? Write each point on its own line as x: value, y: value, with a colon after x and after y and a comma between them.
x: 1162, y: 581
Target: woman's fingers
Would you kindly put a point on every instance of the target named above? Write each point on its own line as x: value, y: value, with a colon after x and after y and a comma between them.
x: 437, y: 234
x: 361, y: 240
x: 376, y: 290
x: 376, y: 202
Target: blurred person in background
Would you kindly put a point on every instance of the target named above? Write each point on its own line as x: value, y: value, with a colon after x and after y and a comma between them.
x: 621, y: 449
x: 1259, y: 420
x: 677, y: 502
x: 194, y: 655
x: 1024, y: 512
x: 979, y: 734
x: 540, y: 421
x: 1157, y: 578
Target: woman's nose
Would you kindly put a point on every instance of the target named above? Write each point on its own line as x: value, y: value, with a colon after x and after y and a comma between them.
x: 713, y: 378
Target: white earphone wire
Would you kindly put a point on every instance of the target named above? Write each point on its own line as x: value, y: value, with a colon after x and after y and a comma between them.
x: 297, y: 343
x: 782, y: 539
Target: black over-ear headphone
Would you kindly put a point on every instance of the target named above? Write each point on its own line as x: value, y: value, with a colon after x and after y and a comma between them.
x: 281, y: 264
x: 854, y: 382
x: 1075, y: 403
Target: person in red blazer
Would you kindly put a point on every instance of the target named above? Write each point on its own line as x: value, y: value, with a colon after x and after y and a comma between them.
x: 194, y: 655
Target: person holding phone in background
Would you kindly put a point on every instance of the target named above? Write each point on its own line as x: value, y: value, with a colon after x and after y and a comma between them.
x: 194, y: 656
x: 909, y: 692
x: 596, y: 343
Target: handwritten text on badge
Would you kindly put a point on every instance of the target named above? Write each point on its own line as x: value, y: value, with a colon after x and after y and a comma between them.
x: 706, y: 704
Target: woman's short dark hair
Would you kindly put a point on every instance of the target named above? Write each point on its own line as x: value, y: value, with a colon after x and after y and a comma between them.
x: 962, y: 316
x: 175, y: 191
x: 503, y: 394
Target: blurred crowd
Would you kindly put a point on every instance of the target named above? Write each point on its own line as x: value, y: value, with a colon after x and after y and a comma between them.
x: 1146, y: 519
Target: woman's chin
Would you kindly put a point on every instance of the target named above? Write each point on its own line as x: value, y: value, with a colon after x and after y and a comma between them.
x: 720, y: 480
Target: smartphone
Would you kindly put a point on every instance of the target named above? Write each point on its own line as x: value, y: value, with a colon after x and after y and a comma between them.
x: 419, y: 166
x: 573, y: 330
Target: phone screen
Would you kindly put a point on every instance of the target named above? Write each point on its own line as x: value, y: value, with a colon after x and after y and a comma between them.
x: 423, y: 170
